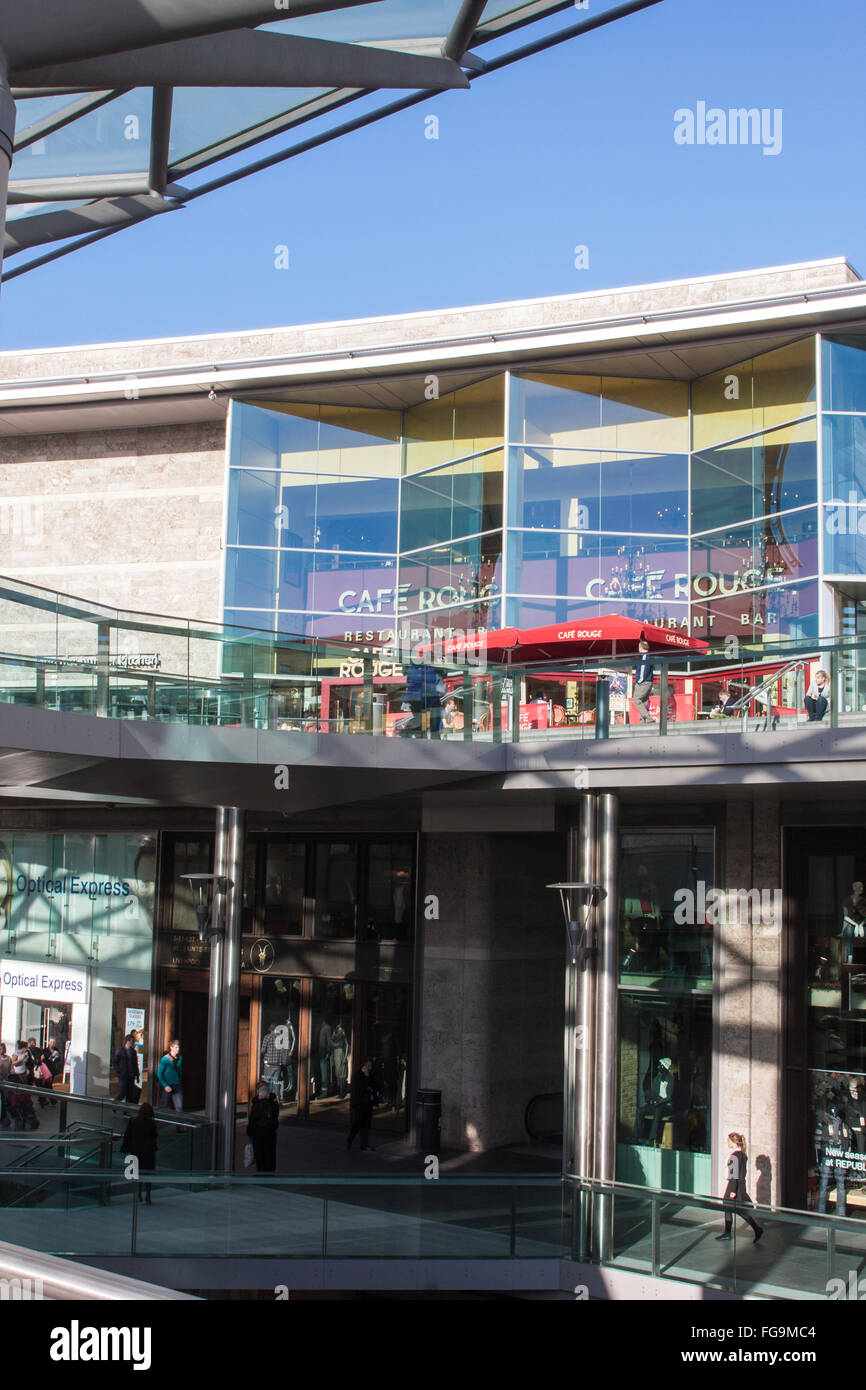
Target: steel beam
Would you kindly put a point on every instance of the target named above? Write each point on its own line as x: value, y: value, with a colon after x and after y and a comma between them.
x: 160, y: 136
x: 26, y: 232
x: 57, y: 31
x: 248, y: 58
x: 464, y: 26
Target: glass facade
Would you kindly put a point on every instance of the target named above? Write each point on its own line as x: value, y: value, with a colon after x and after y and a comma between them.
x: 536, y: 497
x: 665, y: 1009
x: 76, y: 940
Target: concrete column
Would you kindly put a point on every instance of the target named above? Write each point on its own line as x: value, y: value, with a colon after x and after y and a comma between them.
x: 749, y: 1004
x: 215, y: 994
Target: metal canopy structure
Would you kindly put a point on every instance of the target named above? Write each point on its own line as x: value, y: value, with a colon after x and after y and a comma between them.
x: 120, y: 104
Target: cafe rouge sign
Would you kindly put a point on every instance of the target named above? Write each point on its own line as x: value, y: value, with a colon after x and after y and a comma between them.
x: 707, y: 584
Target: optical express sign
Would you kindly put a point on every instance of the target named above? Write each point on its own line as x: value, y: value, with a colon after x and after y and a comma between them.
x: 22, y: 979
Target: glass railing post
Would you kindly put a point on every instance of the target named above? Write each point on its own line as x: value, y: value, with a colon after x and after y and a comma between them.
x: 367, y: 696
x: 831, y: 1251
x: 40, y: 686
x: 664, y: 689
x: 468, y: 706
x: 103, y: 650
x: 656, y: 1253
x: 517, y: 684
x: 834, y: 704
x: 496, y: 708
x: 602, y: 707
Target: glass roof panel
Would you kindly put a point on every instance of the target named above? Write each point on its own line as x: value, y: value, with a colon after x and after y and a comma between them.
x: 113, y: 140
x: 29, y: 111
x: 391, y: 23
x: 202, y: 116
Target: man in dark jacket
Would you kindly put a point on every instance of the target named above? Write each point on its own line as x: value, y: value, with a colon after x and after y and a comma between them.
x: 424, y: 691
x: 362, y: 1098
x: 140, y: 1140
x: 126, y: 1070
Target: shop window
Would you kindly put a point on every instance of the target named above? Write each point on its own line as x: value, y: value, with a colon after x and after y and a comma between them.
x: 336, y: 886
x: 283, y: 905
x: 388, y: 914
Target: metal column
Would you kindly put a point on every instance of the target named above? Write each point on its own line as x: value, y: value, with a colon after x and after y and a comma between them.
x: 230, y: 854
x: 605, y: 1053
x: 215, y: 993
x: 580, y: 1032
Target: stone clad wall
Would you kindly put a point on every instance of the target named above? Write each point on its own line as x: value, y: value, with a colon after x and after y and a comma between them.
x: 493, y: 982
x: 748, y: 1098
x: 129, y: 518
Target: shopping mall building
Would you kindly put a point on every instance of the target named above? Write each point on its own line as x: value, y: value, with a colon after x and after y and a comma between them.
x: 689, y: 454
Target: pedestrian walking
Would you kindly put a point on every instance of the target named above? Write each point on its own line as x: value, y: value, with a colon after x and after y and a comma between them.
x: 643, y: 681
x: 140, y: 1140
x: 262, y: 1128
x: 735, y: 1190
x: 169, y: 1074
x: 126, y: 1071
x: 362, y: 1098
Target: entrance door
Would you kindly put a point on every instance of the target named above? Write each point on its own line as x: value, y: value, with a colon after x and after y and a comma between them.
x: 192, y: 1031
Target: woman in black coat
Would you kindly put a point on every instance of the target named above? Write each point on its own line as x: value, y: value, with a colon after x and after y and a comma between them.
x: 262, y: 1127
x: 140, y: 1140
x: 735, y: 1188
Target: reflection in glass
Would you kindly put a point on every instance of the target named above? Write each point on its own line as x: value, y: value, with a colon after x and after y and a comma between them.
x: 773, y: 472
x: 576, y: 490
x: 666, y: 925
x: 844, y: 373
x: 457, y: 424
x: 336, y: 889
x: 284, y: 888
x: 454, y: 500
x: 463, y: 572
x: 389, y: 891
x: 754, y: 395
x: 845, y: 459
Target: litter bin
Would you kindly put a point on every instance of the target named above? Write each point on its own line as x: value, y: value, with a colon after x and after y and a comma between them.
x: 428, y: 1119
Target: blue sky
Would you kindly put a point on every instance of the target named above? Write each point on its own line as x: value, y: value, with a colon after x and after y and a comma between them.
x: 571, y: 147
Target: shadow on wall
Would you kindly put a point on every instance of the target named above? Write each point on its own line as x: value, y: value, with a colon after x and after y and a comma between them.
x: 764, y: 1185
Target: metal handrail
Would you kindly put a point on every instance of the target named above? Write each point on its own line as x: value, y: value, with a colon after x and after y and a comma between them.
x: 744, y: 700
x: 63, y: 1280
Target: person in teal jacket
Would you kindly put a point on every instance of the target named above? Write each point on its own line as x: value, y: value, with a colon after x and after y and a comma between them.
x: 169, y: 1074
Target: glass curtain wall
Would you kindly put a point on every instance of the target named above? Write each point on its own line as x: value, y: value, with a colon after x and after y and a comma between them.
x: 598, y: 499
x: 755, y: 466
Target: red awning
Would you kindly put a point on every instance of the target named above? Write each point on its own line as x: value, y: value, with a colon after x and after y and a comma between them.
x: 610, y: 636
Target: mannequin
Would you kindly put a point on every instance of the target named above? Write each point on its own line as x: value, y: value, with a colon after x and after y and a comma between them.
x: 831, y: 1132
x: 325, y: 1035
x: 855, y: 1116
x: 658, y: 1106
x: 853, y: 922
x: 340, y: 1054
